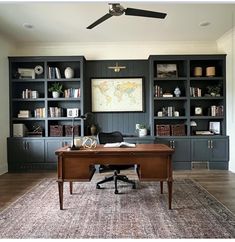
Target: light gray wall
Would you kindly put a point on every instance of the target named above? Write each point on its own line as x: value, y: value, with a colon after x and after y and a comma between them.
x: 6, y: 48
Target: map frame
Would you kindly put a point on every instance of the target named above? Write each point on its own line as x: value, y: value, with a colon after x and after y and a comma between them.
x: 98, y: 105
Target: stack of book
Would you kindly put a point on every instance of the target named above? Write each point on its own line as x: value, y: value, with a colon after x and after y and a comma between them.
x: 24, y: 114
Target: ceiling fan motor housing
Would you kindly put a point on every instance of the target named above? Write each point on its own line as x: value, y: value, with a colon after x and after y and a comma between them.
x: 116, y: 9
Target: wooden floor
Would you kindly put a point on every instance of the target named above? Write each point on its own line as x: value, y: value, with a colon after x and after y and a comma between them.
x: 221, y: 184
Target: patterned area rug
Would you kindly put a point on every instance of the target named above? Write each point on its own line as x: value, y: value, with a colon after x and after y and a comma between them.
x: 139, y: 213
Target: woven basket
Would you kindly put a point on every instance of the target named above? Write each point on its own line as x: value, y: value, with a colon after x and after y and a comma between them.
x: 178, y: 130
x: 56, y: 130
x: 68, y: 130
x: 163, y: 130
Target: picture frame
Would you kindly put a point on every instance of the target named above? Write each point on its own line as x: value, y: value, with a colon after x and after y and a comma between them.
x: 214, y: 127
x: 198, y: 111
x: 117, y: 94
x: 167, y: 71
x: 72, y: 112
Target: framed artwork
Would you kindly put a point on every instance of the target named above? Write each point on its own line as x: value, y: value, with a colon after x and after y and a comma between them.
x: 166, y: 70
x: 214, y: 127
x: 117, y: 95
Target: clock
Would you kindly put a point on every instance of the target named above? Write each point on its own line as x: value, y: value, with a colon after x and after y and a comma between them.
x: 198, y: 111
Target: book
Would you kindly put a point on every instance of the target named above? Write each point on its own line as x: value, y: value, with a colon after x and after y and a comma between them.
x: 119, y: 144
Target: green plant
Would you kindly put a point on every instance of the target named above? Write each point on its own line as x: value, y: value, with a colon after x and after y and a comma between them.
x: 214, y: 89
x: 142, y: 126
x: 56, y: 87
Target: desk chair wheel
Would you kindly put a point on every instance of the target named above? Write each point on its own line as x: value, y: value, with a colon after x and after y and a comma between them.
x: 133, y: 186
x: 98, y: 186
x: 116, y: 192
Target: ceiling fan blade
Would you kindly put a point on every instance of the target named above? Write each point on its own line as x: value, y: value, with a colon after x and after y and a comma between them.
x: 144, y: 13
x: 100, y: 20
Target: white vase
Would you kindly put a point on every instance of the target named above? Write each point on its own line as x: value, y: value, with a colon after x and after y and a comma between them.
x: 55, y: 94
x: 142, y: 132
x: 69, y: 73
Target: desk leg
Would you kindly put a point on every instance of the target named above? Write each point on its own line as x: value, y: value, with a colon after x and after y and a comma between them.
x: 161, y: 187
x: 169, y: 183
x: 71, y: 187
x: 60, y: 186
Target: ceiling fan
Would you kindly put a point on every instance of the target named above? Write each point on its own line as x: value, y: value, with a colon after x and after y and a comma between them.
x: 115, y: 9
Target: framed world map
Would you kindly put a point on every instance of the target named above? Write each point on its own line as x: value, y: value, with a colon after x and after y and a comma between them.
x: 117, y: 95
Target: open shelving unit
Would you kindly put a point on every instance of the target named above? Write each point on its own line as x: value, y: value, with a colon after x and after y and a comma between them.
x: 31, y: 105
x: 196, y: 105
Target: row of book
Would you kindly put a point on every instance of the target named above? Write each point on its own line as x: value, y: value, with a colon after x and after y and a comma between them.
x: 158, y: 91
x: 72, y: 92
x: 39, y: 113
x: 55, y: 112
x: 27, y: 93
x: 54, y: 73
x: 216, y: 110
x: 195, y: 92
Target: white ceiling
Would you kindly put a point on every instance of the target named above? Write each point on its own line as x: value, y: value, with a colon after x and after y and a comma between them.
x: 67, y: 22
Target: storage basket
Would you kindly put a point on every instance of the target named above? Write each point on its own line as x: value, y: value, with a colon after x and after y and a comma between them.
x: 178, y: 130
x: 68, y: 130
x: 56, y: 130
x: 163, y: 130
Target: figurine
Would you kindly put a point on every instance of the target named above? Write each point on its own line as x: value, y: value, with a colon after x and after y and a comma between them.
x: 177, y: 92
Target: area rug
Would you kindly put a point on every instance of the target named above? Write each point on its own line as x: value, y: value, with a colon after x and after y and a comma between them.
x: 135, y: 213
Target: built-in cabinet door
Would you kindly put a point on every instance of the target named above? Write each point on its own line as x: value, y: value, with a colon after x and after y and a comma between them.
x: 220, y: 149
x: 181, y: 156
x: 201, y: 150
x: 51, y: 145
x: 210, y: 149
x: 16, y: 150
x: 181, y: 147
x: 22, y: 152
x: 34, y: 150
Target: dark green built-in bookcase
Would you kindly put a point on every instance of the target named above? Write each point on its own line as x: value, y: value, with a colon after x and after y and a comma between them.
x: 32, y: 104
x: 183, y: 122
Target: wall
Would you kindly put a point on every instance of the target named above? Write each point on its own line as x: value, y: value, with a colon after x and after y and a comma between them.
x: 6, y: 48
x: 121, y: 121
x: 118, y: 50
x: 226, y: 44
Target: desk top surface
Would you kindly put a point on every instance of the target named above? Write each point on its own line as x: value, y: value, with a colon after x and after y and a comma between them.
x: 140, y: 148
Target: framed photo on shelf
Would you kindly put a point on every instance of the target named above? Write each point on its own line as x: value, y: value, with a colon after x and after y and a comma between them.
x: 167, y: 70
x: 117, y: 95
x: 214, y: 127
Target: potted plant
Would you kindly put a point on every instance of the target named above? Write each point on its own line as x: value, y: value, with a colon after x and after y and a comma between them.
x: 214, y: 90
x: 142, y: 130
x: 56, y: 89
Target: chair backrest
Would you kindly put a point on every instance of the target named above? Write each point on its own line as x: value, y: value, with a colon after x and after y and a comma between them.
x: 111, y: 137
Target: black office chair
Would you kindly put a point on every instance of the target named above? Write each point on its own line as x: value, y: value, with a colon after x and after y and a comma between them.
x: 113, y: 137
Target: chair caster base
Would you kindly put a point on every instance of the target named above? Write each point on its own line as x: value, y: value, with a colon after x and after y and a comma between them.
x: 98, y: 186
x: 134, y: 186
x: 116, y: 192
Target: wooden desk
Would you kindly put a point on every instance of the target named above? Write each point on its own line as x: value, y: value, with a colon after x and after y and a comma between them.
x: 153, y: 164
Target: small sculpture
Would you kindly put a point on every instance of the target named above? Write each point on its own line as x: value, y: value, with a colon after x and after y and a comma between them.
x: 177, y: 92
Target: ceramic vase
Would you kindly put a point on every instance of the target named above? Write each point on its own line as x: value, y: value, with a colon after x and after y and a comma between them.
x: 69, y: 73
x: 55, y: 94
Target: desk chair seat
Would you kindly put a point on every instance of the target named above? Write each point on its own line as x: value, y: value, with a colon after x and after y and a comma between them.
x: 113, y: 137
